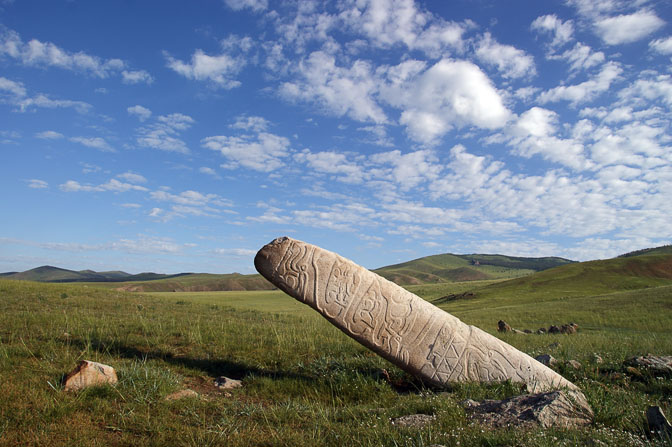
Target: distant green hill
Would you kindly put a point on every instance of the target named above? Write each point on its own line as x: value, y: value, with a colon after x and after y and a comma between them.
x: 457, y: 268
x: 197, y: 282
x: 664, y: 249
x: 639, y: 271
x: 48, y: 273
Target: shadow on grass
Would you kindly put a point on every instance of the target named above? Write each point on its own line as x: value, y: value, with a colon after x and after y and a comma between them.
x: 211, y: 367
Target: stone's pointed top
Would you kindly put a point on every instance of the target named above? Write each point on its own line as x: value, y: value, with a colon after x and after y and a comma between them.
x: 265, y: 259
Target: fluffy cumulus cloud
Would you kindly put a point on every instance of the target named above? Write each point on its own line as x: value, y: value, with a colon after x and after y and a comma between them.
x: 584, y: 91
x: 330, y: 162
x: 562, y: 32
x: 219, y: 70
x: 142, y: 113
x: 254, y: 5
x: 93, y: 142
x: 341, y: 91
x: 112, y: 185
x: 16, y: 94
x: 451, y: 93
x: 628, y: 28
x: 263, y: 152
x: 662, y: 46
x: 511, y: 62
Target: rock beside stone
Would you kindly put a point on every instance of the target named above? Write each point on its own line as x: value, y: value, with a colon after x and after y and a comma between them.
x: 561, y: 409
x: 413, y: 420
x: 546, y: 359
x: 87, y: 374
x: 653, y: 363
x: 575, y: 364
x: 503, y: 326
x: 182, y: 394
x: 224, y: 383
x: 657, y: 421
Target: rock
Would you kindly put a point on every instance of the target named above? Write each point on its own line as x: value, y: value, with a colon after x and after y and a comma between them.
x: 541, y: 330
x: 502, y: 326
x: 410, y: 332
x: 597, y: 359
x: 553, y: 330
x: 575, y: 364
x: 546, y: 359
x: 527, y: 331
x: 413, y: 420
x: 87, y: 374
x: 568, y: 329
x: 224, y: 383
x: 657, y: 421
x: 653, y: 363
x: 182, y: 394
x: 561, y: 409
x: 634, y: 372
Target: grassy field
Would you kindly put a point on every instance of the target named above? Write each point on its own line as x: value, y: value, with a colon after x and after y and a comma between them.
x: 305, y: 383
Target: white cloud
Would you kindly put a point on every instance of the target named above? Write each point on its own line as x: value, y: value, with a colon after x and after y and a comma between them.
x: 253, y: 123
x: 662, y: 46
x: 509, y: 61
x: 16, y: 89
x: 49, y: 135
x: 649, y: 88
x: 262, y: 152
x: 407, y: 170
x: 255, y: 5
x: 136, y: 77
x: 155, y: 212
x: 236, y: 252
x: 585, y: 91
x: 163, y: 134
x: 132, y: 177
x: 449, y: 94
x: 139, y: 111
x: 208, y: 171
x: 562, y: 31
x: 337, y: 90
x: 113, y: 185
x: 628, y: 28
x: 46, y: 54
x: 218, y: 69
x: 189, y: 203
x: 330, y: 162
x: 37, y: 184
x: 93, y: 142
x: 582, y: 57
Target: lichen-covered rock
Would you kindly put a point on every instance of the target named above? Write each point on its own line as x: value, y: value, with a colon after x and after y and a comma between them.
x: 182, y: 394
x: 224, y: 383
x: 653, y: 363
x: 546, y: 359
x: 561, y: 409
x: 88, y: 373
x: 413, y: 420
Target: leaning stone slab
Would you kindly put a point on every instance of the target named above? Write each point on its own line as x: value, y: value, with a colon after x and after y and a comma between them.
x: 561, y: 409
x: 87, y: 374
x: 403, y: 328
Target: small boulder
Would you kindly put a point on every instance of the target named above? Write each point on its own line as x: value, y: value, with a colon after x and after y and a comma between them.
x: 575, y: 364
x: 597, y: 359
x: 546, y: 359
x: 224, y: 383
x: 653, y: 363
x: 182, y: 394
x: 502, y: 326
x: 568, y: 329
x: 553, y: 329
x: 413, y: 420
x: 87, y: 374
x: 657, y: 421
x: 562, y: 409
x: 541, y: 330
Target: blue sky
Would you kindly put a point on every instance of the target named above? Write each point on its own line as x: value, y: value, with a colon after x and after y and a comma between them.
x: 182, y: 136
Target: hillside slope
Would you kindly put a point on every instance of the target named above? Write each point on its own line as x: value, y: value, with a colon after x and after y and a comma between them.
x: 457, y: 268
x: 198, y: 282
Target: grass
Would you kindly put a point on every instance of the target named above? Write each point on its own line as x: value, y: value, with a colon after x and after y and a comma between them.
x: 305, y: 383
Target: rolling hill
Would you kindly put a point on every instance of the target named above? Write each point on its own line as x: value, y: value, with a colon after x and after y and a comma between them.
x: 48, y: 273
x: 645, y: 269
x: 457, y: 268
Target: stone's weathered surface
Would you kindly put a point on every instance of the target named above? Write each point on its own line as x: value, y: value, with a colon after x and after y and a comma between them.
x: 563, y: 409
x: 224, y: 383
x: 182, y: 394
x: 396, y: 324
x: 87, y: 374
x: 413, y: 420
x: 657, y: 421
x: 652, y: 363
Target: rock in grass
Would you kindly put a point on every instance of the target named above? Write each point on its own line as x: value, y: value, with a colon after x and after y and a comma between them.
x: 653, y: 363
x: 182, y: 394
x: 575, y: 364
x: 87, y: 374
x: 413, y: 420
x: 560, y: 409
x: 546, y: 359
x: 503, y: 326
x: 657, y: 421
x: 224, y: 383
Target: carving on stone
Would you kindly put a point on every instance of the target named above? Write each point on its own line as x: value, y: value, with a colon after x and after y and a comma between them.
x: 398, y: 325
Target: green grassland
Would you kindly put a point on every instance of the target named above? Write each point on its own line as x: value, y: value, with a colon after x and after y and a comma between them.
x: 306, y: 383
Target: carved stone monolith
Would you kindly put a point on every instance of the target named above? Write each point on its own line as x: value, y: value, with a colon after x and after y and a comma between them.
x: 403, y: 328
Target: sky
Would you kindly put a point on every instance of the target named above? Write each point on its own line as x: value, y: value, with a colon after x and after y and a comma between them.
x: 173, y: 136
